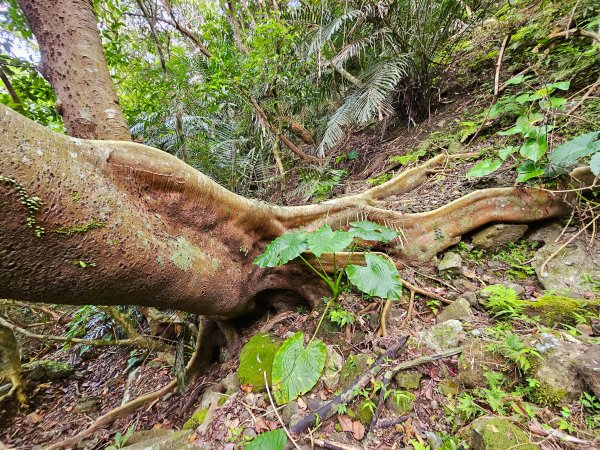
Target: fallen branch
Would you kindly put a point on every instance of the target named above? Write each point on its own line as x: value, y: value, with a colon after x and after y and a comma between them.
x: 335, y: 445
x: 133, y: 405
x: 330, y: 408
x: 499, y: 66
x: 140, y: 341
x: 536, y: 428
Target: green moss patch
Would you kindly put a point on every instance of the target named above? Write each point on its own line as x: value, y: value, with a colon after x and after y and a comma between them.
x: 553, y: 310
x: 257, y: 357
x: 196, y: 420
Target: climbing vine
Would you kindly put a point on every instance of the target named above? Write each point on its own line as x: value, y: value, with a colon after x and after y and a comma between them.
x: 33, y: 204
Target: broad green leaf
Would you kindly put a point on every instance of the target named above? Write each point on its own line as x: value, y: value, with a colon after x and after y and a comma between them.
x: 553, y: 102
x: 483, y: 168
x: 524, y: 125
x: 528, y: 170
x: 595, y: 164
x: 371, y: 231
x: 325, y: 240
x: 526, y: 97
x: 271, y: 440
x: 379, y: 278
x: 296, y: 369
x: 505, y: 152
x: 568, y: 153
x: 534, y: 149
x: 562, y: 85
x: 283, y: 249
x: 517, y: 80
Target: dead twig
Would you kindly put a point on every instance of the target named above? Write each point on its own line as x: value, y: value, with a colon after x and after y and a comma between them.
x: 499, y: 66
x: 277, y: 412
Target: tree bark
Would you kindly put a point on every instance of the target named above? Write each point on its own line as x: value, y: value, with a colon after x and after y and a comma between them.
x: 119, y: 222
x: 72, y: 60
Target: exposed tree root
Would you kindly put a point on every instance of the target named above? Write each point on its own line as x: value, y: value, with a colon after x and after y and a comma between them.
x: 382, y: 331
x: 140, y: 341
x: 129, y: 407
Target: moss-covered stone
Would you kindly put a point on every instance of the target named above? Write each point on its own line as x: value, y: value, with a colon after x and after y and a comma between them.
x: 45, y: 368
x: 493, y: 433
x: 354, y: 366
x: 365, y: 411
x: 255, y: 358
x: 408, y: 380
x: 553, y: 310
x: 196, y: 420
x: 547, y: 395
x: 400, y: 402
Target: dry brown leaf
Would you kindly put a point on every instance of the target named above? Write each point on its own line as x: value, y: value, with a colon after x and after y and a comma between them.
x: 358, y: 430
x: 346, y: 423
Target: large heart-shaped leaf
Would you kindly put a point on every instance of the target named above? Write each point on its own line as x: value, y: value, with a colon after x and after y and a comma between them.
x: 379, y: 278
x: 325, y: 240
x: 568, y: 153
x: 271, y: 440
x: 528, y: 170
x: 524, y: 125
x: 595, y: 164
x: 534, y: 149
x: 483, y: 168
x: 371, y: 231
x: 296, y: 369
x: 283, y: 249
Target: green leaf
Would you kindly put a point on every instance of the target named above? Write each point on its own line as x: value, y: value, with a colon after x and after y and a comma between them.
x: 379, y: 278
x: 568, y: 153
x: 506, y: 152
x: 517, y: 80
x: 534, y: 149
x: 371, y: 231
x: 524, y: 125
x: 528, y: 170
x: 352, y: 155
x: 562, y: 85
x: 296, y: 369
x: 553, y: 102
x: 483, y: 168
x: 595, y: 164
x: 325, y: 240
x: 283, y: 249
x: 271, y: 440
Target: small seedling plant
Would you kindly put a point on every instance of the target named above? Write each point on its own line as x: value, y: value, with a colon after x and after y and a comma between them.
x: 296, y: 368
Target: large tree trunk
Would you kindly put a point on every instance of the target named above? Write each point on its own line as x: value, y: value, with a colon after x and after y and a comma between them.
x: 151, y: 230
x: 73, y: 62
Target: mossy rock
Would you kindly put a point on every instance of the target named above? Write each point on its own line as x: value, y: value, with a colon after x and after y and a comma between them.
x: 553, y: 310
x: 546, y: 395
x: 354, y: 366
x: 408, y: 380
x: 255, y: 358
x: 402, y: 403
x: 45, y: 368
x: 493, y: 433
x: 196, y: 420
x: 364, y: 413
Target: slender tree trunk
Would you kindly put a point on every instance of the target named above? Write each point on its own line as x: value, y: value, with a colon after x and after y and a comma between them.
x: 73, y: 62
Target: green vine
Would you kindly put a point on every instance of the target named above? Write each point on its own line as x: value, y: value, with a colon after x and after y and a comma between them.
x: 33, y: 204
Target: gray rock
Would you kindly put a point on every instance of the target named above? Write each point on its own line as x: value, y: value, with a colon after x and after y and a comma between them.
x: 588, y: 366
x: 290, y: 409
x: 408, y: 380
x: 45, y: 368
x: 458, y: 310
x: 557, y: 368
x: 333, y: 366
x: 172, y: 440
x: 435, y: 441
x: 564, y: 273
x: 401, y: 404
x: 494, y: 433
x: 470, y: 297
x: 497, y: 236
x: 474, y: 361
x: 519, y: 290
x: 450, y: 262
x: 88, y: 404
x: 230, y: 382
x: 442, y: 336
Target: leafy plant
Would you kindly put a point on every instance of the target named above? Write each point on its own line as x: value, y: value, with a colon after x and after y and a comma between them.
x: 270, y: 440
x: 512, y: 348
x: 122, y: 439
x: 503, y: 302
x: 341, y: 317
x: 296, y: 369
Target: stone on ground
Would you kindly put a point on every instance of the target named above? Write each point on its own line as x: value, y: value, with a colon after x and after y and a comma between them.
x: 450, y: 262
x: 164, y: 440
x: 588, y: 366
x: 493, y: 433
x: 408, y: 379
x: 354, y: 366
x: 45, y: 368
x: 457, y: 310
x: 499, y: 235
x: 333, y: 366
x: 442, y: 336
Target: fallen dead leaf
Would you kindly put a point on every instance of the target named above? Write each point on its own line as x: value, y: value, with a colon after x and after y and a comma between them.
x: 346, y: 423
x: 358, y: 430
